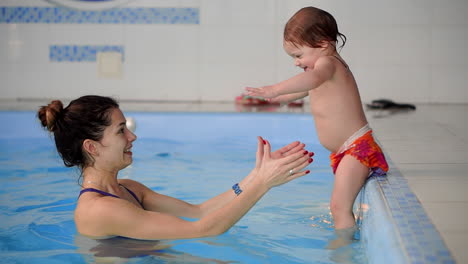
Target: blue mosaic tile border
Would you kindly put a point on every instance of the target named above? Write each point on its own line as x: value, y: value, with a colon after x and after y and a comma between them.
x: 419, y: 238
x: 62, y: 15
x: 75, y: 53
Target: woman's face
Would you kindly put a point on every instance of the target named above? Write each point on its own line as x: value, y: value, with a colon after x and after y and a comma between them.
x: 114, y: 149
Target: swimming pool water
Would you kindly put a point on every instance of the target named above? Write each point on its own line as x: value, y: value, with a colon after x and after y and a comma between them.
x: 189, y: 156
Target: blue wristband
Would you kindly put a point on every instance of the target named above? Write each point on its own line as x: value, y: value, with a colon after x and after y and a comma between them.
x: 237, y: 189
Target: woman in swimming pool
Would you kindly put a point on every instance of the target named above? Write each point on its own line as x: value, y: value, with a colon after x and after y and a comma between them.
x: 91, y: 133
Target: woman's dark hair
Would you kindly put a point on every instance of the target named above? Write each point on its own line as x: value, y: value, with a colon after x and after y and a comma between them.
x: 84, y: 118
x: 310, y: 26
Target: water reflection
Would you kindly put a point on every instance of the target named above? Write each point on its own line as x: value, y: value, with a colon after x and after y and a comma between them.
x: 120, y: 250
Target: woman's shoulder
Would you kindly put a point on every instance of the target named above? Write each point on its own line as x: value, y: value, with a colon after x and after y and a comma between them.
x: 130, y: 183
x: 136, y: 187
x: 94, y: 202
x: 97, y: 216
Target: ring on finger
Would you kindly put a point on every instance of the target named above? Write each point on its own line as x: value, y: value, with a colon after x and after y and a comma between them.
x: 291, y: 172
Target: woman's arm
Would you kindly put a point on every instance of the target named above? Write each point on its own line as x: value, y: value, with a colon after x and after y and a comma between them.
x: 165, y: 204
x: 118, y: 217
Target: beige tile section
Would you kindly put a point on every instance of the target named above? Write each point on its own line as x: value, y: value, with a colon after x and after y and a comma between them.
x: 450, y: 219
x: 440, y: 190
x: 456, y: 242
x: 448, y: 216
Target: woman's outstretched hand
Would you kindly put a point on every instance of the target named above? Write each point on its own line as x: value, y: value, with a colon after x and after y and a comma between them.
x: 283, y: 165
x: 288, y: 150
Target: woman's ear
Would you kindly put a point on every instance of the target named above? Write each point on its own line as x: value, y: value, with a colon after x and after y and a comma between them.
x: 90, y: 147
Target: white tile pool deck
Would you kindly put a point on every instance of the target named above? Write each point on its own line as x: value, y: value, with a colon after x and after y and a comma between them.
x: 429, y: 146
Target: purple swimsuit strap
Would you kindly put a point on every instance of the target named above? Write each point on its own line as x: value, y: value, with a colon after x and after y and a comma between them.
x: 97, y: 191
x: 110, y: 194
x: 133, y: 194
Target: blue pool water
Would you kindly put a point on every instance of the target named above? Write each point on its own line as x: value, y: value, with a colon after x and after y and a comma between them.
x: 189, y: 156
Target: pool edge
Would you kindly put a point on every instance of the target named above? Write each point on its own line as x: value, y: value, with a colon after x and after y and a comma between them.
x: 389, y: 205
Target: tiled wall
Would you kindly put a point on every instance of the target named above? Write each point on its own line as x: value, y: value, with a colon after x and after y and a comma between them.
x: 410, y: 51
x: 60, y: 53
x: 66, y: 15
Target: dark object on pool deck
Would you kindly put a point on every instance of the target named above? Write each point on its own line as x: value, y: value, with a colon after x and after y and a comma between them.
x: 385, y: 104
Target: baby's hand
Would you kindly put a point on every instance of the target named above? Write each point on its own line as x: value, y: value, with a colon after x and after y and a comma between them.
x: 264, y: 92
x: 276, y: 100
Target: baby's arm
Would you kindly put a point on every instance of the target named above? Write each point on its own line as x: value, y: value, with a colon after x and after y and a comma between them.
x: 287, y: 98
x: 301, y: 83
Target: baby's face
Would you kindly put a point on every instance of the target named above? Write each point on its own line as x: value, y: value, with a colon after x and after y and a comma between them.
x: 304, y: 56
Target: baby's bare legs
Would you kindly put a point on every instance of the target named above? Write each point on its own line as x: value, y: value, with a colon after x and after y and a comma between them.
x: 349, y: 178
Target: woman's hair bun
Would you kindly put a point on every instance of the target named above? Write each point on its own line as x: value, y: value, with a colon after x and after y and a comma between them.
x: 48, y: 115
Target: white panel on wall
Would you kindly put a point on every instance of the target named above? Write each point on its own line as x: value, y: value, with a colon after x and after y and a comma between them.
x: 163, y: 62
x: 163, y: 82
x: 449, y: 84
x: 185, y: 85
x: 398, y: 82
x: 226, y: 81
x: 146, y: 81
x: 70, y: 79
x: 25, y: 80
x: 241, y: 44
x: 449, y: 12
x: 82, y: 34
x: 406, y: 50
x: 162, y: 44
x: 238, y: 12
x: 449, y: 45
x: 242, y: 56
x: 384, y: 45
x: 24, y: 43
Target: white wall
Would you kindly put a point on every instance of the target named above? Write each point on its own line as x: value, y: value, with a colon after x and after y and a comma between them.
x: 406, y: 50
